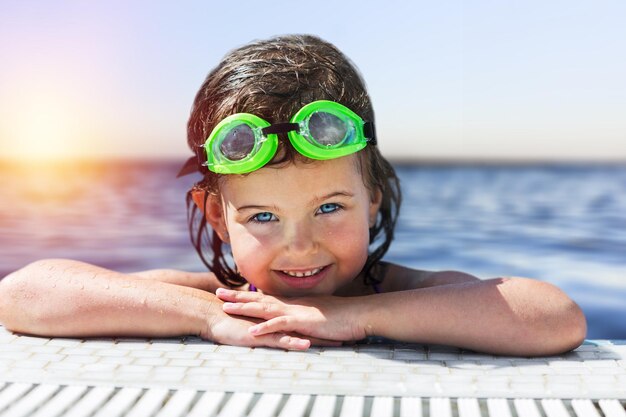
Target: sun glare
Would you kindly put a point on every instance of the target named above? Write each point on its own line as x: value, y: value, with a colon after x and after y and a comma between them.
x: 44, y: 135
x: 45, y: 129
x: 47, y: 119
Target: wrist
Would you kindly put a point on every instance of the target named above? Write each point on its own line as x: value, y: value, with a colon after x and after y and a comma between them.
x: 369, y: 315
x: 211, y: 312
x: 203, y: 312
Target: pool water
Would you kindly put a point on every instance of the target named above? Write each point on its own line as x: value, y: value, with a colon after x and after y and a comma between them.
x: 564, y: 224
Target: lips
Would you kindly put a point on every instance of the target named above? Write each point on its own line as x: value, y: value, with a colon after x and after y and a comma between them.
x: 301, y: 274
x: 303, y: 278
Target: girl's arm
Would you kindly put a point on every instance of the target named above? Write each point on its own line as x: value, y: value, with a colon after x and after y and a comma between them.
x: 60, y: 297
x: 68, y: 298
x: 513, y: 316
x: 505, y: 315
x: 206, y: 281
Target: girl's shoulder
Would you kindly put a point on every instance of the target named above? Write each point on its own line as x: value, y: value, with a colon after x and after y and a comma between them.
x: 401, y: 278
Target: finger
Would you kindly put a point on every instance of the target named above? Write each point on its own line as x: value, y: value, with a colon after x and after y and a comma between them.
x: 283, y: 341
x: 314, y: 340
x: 325, y: 342
x: 274, y: 325
x: 234, y: 295
x: 296, y: 340
x: 253, y: 309
x: 264, y: 328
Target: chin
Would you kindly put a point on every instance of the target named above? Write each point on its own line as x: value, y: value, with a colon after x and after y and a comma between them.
x: 301, y: 292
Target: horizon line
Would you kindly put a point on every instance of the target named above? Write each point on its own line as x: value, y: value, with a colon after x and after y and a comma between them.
x: 398, y: 161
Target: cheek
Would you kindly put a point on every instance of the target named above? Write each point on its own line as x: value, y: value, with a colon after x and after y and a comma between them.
x: 350, y: 240
x: 251, y: 253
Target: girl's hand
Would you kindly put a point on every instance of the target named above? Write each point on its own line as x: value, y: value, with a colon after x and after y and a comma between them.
x: 324, y: 317
x: 235, y: 330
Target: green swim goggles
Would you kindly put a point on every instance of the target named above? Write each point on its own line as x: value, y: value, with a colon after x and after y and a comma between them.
x: 323, y: 129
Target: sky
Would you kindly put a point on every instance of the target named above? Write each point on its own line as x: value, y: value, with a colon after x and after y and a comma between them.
x: 450, y: 80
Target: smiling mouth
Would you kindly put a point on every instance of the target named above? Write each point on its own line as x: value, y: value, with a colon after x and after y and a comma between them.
x: 302, y: 274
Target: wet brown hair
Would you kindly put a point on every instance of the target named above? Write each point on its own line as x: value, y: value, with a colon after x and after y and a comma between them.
x: 273, y: 79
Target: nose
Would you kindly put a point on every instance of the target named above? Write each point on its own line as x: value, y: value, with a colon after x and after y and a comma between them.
x: 301, y: 238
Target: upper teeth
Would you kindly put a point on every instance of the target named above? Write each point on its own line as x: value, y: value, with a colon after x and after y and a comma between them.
x: 303, y: 273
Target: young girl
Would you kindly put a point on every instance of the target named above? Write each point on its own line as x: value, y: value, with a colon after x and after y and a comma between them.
x: 295, y: 210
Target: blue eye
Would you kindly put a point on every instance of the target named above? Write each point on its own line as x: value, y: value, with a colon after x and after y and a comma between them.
x: 329, y: 208
x: 264, y: 217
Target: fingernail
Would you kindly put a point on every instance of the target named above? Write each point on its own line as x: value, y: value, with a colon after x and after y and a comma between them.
x: 223, y: 291
x: 300, y: 343
x: 253, y: 329
x: 294, y: 341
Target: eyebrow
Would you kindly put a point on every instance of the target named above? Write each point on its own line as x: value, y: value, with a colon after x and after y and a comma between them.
x: 313, y: 201
x: 331, y: 195
x: 256, y: 207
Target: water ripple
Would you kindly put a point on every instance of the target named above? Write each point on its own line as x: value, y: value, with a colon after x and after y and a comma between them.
x: 562, y: 224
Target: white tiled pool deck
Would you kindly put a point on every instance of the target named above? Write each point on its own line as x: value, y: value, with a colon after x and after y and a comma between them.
x: 171, y: 377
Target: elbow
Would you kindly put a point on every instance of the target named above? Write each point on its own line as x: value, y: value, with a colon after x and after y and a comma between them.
x: 574, y: 329
x: 9, y: 289
x: 570, y: 322
x: 559, y: 324
x: 20, y: 296
x: 569, y: 333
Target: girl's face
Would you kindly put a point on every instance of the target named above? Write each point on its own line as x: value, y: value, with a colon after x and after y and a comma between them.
x: 302, y: 229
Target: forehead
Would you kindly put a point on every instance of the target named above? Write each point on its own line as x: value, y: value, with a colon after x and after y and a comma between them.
x: 295, y: 179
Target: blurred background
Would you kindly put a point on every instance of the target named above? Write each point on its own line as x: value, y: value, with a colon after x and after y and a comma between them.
x: 506, y: 121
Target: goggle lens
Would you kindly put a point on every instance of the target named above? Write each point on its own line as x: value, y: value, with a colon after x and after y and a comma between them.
x: 327, y: 129
x: 323, y: 129
x: 238, y: 143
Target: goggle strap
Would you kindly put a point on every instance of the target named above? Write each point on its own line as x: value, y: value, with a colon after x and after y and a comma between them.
x: 369, y: 132
x: 280, y: 128
x: 191, y: 166
x: 194, y: 164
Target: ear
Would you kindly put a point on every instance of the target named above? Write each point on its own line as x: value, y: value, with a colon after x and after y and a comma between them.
x: 375, y: 202
x: 213, y: 212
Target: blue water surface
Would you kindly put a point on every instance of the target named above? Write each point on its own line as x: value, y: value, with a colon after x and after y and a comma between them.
x: 564, y: 224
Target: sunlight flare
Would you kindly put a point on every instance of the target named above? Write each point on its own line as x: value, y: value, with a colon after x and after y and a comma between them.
x: 45, y: 128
